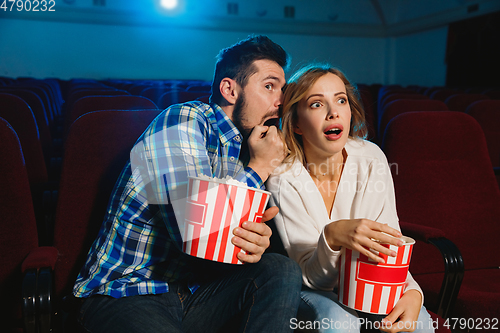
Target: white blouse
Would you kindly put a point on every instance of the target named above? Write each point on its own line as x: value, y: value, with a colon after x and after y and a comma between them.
x: 365, y: 190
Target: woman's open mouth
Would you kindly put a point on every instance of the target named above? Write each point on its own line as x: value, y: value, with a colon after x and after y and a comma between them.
x: 334, y: 132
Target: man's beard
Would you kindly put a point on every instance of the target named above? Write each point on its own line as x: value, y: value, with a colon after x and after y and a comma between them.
x: 239, y: 114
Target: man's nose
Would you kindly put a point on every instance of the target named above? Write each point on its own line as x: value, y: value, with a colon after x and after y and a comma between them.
x: 279, y: 99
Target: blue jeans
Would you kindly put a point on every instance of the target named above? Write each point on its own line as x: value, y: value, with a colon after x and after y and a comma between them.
x: 320, y: 311
x: 260, y: 297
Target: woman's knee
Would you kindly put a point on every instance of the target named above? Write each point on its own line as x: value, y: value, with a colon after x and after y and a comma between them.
x: 318, y: 309
x: 424, y: 322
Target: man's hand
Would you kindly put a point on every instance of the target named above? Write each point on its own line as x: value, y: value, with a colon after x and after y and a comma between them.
x: 267, y: 150
x: 253, y: 238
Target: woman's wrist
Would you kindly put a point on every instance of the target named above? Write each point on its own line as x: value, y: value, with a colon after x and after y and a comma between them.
x: 329, y: 232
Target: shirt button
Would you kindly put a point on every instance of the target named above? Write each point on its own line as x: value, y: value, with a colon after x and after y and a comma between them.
x: 237, y: 138
x: 231, y: 158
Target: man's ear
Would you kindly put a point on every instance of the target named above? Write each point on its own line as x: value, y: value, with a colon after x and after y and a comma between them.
x: 228, y: 90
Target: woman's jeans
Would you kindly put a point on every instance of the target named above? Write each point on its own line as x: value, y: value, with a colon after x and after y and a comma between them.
x: 320, y: 311
x: 260, y: 297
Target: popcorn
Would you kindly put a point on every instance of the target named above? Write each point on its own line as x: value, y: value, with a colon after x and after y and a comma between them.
x: 226, y: 180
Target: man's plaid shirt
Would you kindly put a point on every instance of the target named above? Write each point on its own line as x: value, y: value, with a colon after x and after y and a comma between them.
x: 137, y: 250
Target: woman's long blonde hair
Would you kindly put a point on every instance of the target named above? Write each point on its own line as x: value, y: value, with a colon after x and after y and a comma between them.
x: 296, y: 90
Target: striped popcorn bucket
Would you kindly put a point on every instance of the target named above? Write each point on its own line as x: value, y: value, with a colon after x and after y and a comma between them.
x: 214, y: 208
x: 372, y: 287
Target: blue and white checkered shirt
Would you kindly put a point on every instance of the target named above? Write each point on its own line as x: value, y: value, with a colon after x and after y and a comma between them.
x: 137, y: 250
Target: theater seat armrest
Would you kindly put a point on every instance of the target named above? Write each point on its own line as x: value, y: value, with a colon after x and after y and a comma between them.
x: 37, y: 288
x: 40, y: 257
x: 452, y: 260
x: 420, y: 232
x: 28, y: 294
x: 44, y: 299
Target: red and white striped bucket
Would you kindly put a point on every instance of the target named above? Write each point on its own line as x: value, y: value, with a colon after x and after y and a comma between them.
x: 372, y: 287
x: 214, y: 208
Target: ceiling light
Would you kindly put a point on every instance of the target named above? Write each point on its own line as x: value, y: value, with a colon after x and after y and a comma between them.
x: 169, y: 4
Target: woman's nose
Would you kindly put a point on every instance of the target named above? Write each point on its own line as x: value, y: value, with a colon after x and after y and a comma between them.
x: 332, y: 114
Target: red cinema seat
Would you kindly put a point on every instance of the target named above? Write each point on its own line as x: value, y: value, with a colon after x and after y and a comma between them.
x: 96, y: 150
x: 460, y: 102
x: 445, y: 186
x: 25, y: 274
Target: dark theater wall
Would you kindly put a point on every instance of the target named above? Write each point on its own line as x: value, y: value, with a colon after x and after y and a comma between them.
x: 76, y: 50
x: 473, y: 52
x: 374, y: 41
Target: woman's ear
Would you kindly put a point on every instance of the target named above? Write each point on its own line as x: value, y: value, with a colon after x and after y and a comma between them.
x: 297, y: 130
x: 228, y: 90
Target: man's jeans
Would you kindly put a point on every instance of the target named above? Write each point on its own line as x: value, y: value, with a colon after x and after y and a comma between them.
x: 261, y: 297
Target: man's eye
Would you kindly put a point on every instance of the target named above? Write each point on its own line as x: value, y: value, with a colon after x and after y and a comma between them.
x: 269, y: 86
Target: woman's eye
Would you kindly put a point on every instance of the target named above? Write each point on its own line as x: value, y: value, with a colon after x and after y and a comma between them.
x: 342, y: 100
x: 316, y: 105
x: 269, y: 86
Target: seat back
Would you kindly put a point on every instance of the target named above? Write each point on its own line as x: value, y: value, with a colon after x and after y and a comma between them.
x: 493, y: 93
x: 78, y: 93
x: 369, y: 105
x: 106, y: 102
x: 44, y: 96
x: 487, y: 114
x: 96, y: 150
x: 19, y: 115
x: 154, y: 93
x: 17, y: 220
x: 400, y: 106
x: 36, y: 105
x: 387, y: 90
x: 174, y: 97
x: 443, y: 93
x: 460, y: 102
x: 187, y: 96
x: 395, y: 96
x: 444, y: 179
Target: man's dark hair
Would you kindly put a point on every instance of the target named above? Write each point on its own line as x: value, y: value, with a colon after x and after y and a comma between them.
x: 236, y: 61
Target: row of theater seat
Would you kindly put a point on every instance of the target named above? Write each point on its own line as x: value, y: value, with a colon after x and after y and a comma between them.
x: 93, y: 146
x: 392, y: 101
x: 50, y: 194
x: 447, y: 195
x: 376, y: 100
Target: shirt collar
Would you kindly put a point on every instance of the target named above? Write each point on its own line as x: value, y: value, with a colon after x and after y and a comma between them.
x: 227, y: 130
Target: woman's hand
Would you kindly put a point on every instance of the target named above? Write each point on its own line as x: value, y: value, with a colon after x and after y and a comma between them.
x: 362, y: 235
x: 406, y: 310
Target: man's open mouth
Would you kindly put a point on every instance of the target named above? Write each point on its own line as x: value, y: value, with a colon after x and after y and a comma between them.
x: 272, y: 122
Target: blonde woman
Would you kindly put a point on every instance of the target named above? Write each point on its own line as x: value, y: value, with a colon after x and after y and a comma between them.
x: 335, y: 191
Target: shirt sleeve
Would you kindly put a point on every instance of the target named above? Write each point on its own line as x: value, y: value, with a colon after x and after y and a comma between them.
x: 251, y: 178
x: 172, y: 148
